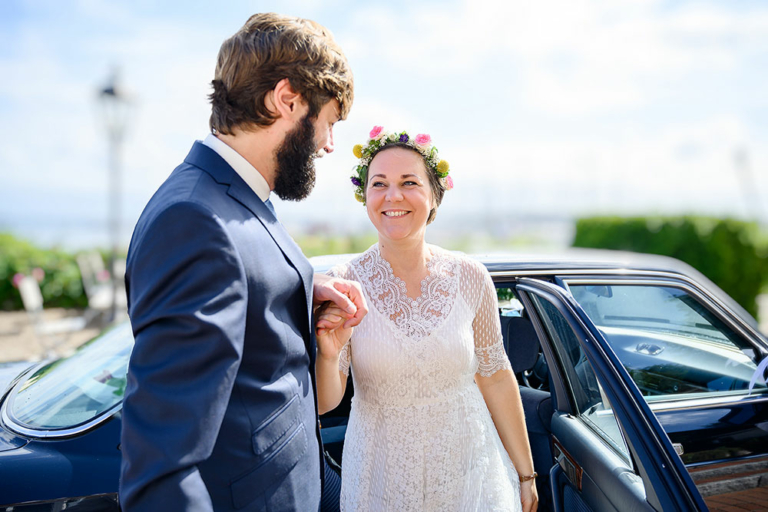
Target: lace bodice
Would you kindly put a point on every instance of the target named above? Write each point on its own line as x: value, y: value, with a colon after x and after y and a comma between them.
x: 452, y: 282
x: 420, y: 436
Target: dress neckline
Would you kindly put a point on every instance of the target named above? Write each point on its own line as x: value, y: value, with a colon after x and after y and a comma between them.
x: 423, y: 284
x: 416, y: 318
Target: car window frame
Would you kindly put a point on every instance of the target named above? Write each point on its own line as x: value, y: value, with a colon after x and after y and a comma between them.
x: 567, y: 372
x: 706, y: 299
x: 670, y: 482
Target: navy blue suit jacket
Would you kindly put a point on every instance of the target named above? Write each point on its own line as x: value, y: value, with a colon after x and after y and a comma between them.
x: 220, y: 409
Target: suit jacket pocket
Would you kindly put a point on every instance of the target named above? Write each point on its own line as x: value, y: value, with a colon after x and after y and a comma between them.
x: 247, y: 488
x: 276, y: 426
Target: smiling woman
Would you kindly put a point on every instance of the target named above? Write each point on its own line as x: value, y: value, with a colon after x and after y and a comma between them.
x: 430, y: 374
x: 399, y: 197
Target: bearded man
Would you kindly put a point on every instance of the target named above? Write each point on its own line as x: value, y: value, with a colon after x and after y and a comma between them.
x: 220, y: 408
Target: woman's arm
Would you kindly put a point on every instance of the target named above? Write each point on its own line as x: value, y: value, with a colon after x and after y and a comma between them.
x: 503, y: 399
x: 332, y: 342
x: 496, y: 381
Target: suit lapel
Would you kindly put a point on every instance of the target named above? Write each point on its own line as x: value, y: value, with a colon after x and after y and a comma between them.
x: 248, y: 198
x: 208, y: 160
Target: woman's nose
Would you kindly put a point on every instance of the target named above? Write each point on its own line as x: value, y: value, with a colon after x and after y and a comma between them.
x: 394, y: 194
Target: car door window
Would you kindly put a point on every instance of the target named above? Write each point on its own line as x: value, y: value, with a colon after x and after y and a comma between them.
x: 593, y: 406
x: 669, y: 342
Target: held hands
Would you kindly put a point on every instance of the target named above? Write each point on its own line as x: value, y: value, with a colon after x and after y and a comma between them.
x: 346, y: 295
x: 331, y: 330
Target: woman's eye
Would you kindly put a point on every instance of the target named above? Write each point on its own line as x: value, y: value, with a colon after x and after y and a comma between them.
x: 410, y: 183
x: 377, y: 184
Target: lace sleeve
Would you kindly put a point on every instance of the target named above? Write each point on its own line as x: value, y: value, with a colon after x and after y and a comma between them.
x: 489, y: 344
x: 345, y: 355
x: 344, y: 358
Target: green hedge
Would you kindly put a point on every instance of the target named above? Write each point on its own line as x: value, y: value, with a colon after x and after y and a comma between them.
x: 61, y: 284
x: 731, y: 253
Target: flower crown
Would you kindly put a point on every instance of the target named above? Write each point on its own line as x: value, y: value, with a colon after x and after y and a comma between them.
x: 378, y: 138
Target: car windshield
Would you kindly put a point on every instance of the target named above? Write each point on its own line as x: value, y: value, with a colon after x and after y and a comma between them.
x: 73, y: 390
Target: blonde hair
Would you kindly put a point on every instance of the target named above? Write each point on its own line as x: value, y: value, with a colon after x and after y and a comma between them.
x: 267, y: 49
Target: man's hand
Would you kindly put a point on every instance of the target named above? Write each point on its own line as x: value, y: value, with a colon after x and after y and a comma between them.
x: 347, y: 295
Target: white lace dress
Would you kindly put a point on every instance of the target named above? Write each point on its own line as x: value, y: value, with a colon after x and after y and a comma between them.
x: 420, y: 436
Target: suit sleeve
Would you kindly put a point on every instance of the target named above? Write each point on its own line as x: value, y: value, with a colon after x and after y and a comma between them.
x: 187, y: 306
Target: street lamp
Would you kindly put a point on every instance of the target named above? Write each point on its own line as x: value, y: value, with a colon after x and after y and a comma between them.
x: 114, y: 108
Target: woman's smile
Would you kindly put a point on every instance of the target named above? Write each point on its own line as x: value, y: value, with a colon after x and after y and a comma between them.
x: 395, y: 213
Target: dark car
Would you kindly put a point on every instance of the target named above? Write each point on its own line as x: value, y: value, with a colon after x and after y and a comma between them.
x: 643, y: 386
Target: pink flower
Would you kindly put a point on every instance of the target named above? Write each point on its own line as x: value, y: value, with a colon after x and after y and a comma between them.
x: 448, y: 183
x: 422, y: 140
x: 17, y: 279
x: 38, y: 274
x: 376, y: 132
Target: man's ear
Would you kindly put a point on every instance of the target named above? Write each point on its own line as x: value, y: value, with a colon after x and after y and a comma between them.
x: 286, y: 102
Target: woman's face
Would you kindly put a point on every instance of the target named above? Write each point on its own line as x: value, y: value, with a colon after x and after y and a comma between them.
x: 398, y: 194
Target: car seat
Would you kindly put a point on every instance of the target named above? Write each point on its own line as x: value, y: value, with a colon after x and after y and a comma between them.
x: 523, y: 348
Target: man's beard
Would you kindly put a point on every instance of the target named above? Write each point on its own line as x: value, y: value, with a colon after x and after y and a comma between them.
x: 295, y: 176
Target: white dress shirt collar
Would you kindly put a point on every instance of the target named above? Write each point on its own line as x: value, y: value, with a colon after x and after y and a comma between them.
x: 251, y: 176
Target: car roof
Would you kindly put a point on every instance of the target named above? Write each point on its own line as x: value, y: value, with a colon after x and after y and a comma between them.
x: 551, y: 260
x: 571, y: 260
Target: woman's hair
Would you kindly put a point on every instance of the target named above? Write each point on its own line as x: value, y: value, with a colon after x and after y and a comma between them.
x: 437, y: 188
x: 269, y: 48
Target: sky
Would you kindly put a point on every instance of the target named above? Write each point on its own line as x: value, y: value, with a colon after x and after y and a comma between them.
x: 546, y: 111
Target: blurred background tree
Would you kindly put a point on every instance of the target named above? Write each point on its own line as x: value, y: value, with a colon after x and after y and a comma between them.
x: 732, y: 253
x: 55, y: 269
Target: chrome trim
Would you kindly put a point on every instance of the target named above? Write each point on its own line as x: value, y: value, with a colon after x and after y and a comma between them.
x: 704, y: 465
x: 586, y: 271
x: 702, y: 403
x: 17, y: 427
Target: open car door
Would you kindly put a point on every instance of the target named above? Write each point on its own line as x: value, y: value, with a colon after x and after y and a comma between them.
x: 611, y: 452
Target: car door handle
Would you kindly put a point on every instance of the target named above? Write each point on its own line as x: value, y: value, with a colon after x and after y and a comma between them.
x: 567, y: 463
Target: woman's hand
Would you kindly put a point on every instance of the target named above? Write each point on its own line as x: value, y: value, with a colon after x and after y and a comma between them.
x: 332, y: 335
x: 529, y: 496
x: 330, y: 331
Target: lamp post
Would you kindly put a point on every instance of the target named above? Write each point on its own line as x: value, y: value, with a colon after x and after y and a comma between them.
x: 114, y: 107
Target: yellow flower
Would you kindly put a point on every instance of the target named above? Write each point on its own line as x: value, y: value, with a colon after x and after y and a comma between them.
x: 358, y: 150
x: 359, y: 197
x: 443, y: 167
